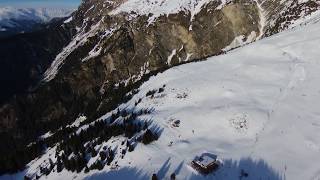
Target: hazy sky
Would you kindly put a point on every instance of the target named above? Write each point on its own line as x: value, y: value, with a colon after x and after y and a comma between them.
x: 40, y: 3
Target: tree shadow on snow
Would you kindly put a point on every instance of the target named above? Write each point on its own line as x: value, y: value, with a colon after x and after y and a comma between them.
x: 245, y: 169
x: 123, y: 173
x: 164, y: 169
x: 178, y: 169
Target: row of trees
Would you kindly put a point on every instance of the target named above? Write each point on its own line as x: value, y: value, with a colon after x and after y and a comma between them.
x: 75, y: 150
x: 70, y: 142
x: 19, y: 157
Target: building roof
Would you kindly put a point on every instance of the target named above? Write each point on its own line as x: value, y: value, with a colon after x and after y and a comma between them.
x: 205, y: 159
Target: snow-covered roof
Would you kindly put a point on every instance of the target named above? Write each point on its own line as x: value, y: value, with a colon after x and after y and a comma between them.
x: 205, y: 159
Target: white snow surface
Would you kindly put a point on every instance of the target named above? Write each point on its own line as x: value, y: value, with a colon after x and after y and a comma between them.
x: 256, y: 107
x: 164, y: 7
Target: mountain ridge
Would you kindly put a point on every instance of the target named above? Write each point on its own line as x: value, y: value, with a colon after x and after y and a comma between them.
x: 23, y: 20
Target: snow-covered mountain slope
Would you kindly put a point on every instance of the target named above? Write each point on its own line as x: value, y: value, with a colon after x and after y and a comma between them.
x: 164, y: 7
x: 111, y: 47
x: 256, y: 107
x: 23, y: 19
x: 106, y: 51
x: 43, y: 14
x: 108, y: 17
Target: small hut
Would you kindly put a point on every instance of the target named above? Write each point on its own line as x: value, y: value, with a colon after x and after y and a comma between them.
x: 206, y: 163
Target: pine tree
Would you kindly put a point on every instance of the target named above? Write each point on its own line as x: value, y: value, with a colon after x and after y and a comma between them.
x: 59, y: 164
x: 110, y: 157
x: 145, y: 126
x: 148, y: 137
x: 93, y: 152
x: 154, y: 177
x: 173, y: 176
x: 103, y: 155
x: 86, y: 169
x: 112, y: 118
x: 26, y: 177
x: 130, y: 146
x: 51, y: 164
x: 73, y: 164
x: 99, y: 165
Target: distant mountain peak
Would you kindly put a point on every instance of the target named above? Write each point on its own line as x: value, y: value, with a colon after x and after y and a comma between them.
x: 15, y: 20
x: 44, y: 14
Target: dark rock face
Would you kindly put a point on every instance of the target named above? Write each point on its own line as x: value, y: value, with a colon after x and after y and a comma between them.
x: 22, y: 26
x: 280, y: 15
x: 24, y: 57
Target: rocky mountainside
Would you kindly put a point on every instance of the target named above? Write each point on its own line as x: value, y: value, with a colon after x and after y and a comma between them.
x: 255, y: 107
x: 281, y: 15
x: 29, y: 40
x: 25, y: 57
x: 111, y: 47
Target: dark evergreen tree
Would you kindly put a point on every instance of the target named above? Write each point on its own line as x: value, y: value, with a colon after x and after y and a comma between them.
x: 160, y: 90
x: 51, y: 164
x: 26, y: 177
x: 86, y: 169
x: 59, y: 164
x: 123, y: 152
x: 110, y: 157
x: 103, y: 155
x: 93, y: 152
x: 97, y: 165
x: 72, y: 162
x: 145, y: 126
x: 130, y: 146
x: 154, y: 177
x: 173, y: 176
x: 148, y: 137
x: 80, y: 162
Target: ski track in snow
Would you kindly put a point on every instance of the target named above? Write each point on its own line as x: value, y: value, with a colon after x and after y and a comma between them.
x: 296, y: 78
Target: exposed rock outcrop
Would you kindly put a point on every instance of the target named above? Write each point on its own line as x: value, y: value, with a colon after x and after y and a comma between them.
x: 281, y: 15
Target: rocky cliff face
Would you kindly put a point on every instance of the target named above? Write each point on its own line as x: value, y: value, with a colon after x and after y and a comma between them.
x: 117, y: 45
x: 25, y: 57
x: 281, y: 15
